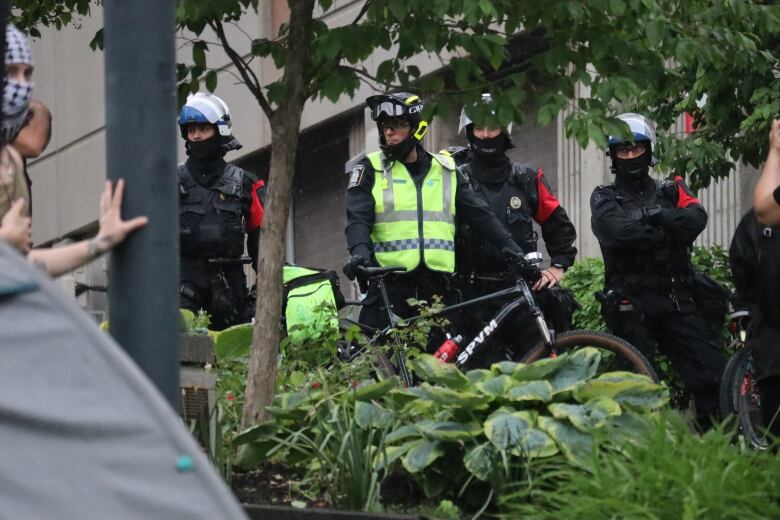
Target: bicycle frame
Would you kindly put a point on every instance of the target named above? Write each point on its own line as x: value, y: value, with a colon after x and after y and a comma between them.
x: 522, y: 297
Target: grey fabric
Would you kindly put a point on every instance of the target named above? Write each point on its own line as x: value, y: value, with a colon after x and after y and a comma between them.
x: 83, y: 433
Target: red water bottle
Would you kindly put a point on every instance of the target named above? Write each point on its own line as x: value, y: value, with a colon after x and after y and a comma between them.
x: 449, y: 349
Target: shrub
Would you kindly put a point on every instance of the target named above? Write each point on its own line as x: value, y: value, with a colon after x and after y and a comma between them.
x: 671, y: 474
x: 455, y: 431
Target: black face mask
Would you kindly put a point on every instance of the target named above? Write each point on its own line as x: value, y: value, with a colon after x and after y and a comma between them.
x: 488, y: 149
x: 204, y: 150
x: 635, y: 168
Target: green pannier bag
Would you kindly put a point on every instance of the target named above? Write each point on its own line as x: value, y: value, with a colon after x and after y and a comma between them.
x: 312, y: 298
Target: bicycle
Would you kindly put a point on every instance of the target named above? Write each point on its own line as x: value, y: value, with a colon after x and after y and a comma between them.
x: 620, y: 354
x: 739, y: 395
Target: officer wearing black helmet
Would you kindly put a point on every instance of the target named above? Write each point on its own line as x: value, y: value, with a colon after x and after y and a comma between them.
x: 518, y: 195
x: 653, y: 295
x: 219, y: 204
x: 401, y: 206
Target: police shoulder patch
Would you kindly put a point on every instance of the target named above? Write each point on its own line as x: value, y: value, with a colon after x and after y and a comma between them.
x: 356, y: 176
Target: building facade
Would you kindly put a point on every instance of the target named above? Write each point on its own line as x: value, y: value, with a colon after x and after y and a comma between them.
x: 68, y: 177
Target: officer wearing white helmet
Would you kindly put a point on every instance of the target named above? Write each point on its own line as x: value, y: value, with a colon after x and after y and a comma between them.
x: 518, y: 196
x: 653, y: 296
x: 219, y: 205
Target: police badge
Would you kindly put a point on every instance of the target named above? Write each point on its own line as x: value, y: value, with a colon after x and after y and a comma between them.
x: 515, y: 202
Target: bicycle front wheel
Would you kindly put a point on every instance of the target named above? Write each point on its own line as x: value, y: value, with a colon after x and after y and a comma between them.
x: 617, y: 354
x: 739, y: 396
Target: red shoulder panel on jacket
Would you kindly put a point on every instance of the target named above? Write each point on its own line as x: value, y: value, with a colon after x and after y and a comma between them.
x: 256, y: 210
x: 684, y: 196
x: 548, y: 202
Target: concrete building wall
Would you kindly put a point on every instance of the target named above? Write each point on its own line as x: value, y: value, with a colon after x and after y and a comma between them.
x: 68, y: 177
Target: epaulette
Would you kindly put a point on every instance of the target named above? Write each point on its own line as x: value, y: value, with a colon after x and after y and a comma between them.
x: 522, y: 174
x: 350, y: 164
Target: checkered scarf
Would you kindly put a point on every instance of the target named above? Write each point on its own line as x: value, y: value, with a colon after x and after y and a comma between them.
x: 16, y: 95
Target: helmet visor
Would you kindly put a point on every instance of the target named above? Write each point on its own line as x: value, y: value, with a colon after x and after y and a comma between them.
x: 387, y: 109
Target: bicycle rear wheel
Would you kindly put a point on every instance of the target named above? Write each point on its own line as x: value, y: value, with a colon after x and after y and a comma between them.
x: 617, y: 354
x: 739, y: 396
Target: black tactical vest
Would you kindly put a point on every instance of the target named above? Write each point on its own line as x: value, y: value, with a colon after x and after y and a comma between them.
x: 514, y: 204
x: 668, y: 259
x: 210, y: 219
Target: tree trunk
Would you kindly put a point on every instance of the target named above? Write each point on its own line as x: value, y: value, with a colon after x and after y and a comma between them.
x: 285, y: 129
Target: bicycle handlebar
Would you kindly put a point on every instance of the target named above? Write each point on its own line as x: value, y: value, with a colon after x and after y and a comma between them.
x: 230, y: 261
x: 374, y: 272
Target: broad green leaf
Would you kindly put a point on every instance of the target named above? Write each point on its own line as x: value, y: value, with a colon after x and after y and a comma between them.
x: 421, y: 455
x: 453, y: 398
x: 397, y: 398
x: 374, y: 390
x: 497, y: 386
x: 531, y: 391
x: 288, y: 405
x: 479, y: 461
x: 539, y: 369
x: 505, y: 367
x: 393, y: 453
x: 255, y: 432
x: 633, y: 392
x: 535, y: 444
x: 578, y: 366
x: 211, y: 80
x: 628, y: 427
x: 591, y: 415
x: 479, y: 374
x: 432, y: 369
x: 449, y: 430
x: 254, y: 454
x: 403, y: 433
x: 234, y: 342
x: 504, y: 427
x: 369, y: 415
x: 187, y: 318
x: 575, y: 445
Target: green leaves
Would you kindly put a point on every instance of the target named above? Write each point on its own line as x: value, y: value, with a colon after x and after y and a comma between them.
x: 433, y: 370
x: 421, y: 455
x: 369, y: 415
x: 589, y: 416
x: 504, y: 428
x: 234, y: 342
x: 480, y: 461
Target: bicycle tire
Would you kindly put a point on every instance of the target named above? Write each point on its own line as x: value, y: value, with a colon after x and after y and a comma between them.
x: 726, y: 397
x: 566, y: 341
x: 739, y: 387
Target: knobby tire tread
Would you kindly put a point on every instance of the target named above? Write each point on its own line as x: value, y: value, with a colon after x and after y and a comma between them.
x: 604, y: 340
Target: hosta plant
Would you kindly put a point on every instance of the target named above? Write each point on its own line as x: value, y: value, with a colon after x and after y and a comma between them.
x: 460, y: 435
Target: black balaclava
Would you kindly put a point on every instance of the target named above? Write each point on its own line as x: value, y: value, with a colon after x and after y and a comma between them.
x: 489, y: 162
x: 206, y: 162
x: 206, y: 150
x: 631, y: 172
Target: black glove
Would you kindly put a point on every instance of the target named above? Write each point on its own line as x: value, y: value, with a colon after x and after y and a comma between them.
x: 351, y: 266
x: 530, y: 272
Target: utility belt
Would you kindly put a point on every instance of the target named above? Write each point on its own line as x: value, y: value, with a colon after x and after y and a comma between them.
x: 652, y: 281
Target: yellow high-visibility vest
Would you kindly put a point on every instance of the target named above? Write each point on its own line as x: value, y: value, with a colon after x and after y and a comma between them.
x: 414, y: 226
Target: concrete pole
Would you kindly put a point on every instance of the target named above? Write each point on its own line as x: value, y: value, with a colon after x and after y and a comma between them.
x: 141, y: 148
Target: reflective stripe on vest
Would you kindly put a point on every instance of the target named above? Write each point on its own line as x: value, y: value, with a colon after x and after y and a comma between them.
x: 398, y: 235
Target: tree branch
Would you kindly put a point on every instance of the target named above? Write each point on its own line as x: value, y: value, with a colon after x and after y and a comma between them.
x: 247, y: 74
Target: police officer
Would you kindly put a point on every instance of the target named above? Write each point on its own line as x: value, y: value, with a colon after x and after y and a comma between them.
x: 646, y: 229
x: 754, y: 254
x: 401, y: 207
x: 518, y: 196
x: 219, y: 204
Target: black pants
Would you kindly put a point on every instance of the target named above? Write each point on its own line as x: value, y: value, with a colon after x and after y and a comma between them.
x: 670, y: 321
x: 220, y: 291
x: 421, y: 284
